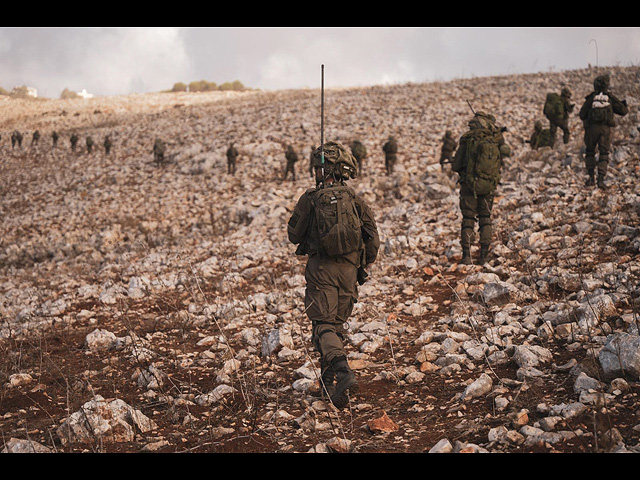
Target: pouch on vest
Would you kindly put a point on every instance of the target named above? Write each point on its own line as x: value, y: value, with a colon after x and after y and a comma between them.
x: 339, y: 225
x: 601, y: 110
x: 484, y: 162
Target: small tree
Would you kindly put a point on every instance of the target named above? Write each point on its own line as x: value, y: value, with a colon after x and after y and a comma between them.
x: 68, y: 94
x: 235, y: 85
x: 179, y: 87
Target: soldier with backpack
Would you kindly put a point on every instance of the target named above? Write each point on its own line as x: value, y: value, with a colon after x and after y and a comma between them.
x: 479, y: 161
x: 597, y: 115
x: 338, y: 232
x: 557, y: 109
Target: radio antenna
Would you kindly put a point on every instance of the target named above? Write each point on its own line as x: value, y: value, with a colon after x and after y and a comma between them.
x: 322, y: 118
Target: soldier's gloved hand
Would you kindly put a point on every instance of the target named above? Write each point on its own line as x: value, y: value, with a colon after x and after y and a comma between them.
x: 362, y: 276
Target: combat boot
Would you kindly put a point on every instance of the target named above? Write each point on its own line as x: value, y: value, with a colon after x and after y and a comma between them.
x: 591, y: 180
x: 346, y: 382
x: 327, y: 381
x: 484, y: 254
x: 601, y: 184
x: 466, y: 256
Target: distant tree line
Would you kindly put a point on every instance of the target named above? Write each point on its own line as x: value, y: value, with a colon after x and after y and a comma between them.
x: 205, y: 86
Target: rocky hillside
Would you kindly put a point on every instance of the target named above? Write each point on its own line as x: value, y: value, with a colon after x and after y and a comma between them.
x: 151, y: 307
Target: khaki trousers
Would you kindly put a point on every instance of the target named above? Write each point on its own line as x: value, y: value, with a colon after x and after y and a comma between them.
x: 329, y: 298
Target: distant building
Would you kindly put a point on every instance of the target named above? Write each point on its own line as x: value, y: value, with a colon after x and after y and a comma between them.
x: 23, y: 91
x: 85, y: 94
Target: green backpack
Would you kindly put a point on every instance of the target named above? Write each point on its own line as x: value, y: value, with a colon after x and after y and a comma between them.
x: 545, y: 139
x: 484, y: 161
x: 338, y: 221
x: 553, y: 107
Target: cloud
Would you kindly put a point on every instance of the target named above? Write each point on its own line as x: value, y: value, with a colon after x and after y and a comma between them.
x: 105, y: 61
x: 110, y: 61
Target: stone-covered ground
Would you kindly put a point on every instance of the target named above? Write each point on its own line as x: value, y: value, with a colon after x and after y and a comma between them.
x: 159, y: 308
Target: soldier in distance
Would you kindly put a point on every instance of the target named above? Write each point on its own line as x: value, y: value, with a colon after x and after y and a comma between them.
x: 597, y: 115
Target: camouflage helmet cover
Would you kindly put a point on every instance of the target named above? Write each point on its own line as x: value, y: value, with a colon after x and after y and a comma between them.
x: 481, y: 120
x: 337, y: 160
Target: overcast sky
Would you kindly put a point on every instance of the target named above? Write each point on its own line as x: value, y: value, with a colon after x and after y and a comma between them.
x: 114, y: 61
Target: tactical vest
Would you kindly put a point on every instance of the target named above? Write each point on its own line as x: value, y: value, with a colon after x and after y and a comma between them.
x: 601, y: 111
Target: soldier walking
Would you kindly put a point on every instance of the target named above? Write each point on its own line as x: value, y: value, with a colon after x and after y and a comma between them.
x: 478, y: 161
x: 557, y: 109
x: 292, y: 158
x: 359, y: 151
x: 54, y: 138
x: 336, y: 262
x: 35, y: 138
x: 16, y: 137
x: 390, y: 150
x: 449, y: 146
x: 158, y: 151
x: 107, y: 144
x: 89, y: 142
x: 74, y: 141
x: 232, y: 154
x: 597, y: 115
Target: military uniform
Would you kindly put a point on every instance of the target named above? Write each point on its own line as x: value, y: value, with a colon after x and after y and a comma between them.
x: 292, y: 158
x: 89, y: 142
x: 107, y: 144
x: 16, y: 137
x: 449, y: 146
x: 54, y: 138
x: 390, y: 150
x: 331, y: 289
x: 359, y: 151
x: 35, y: 138
x: 562, y: 122
x: 597, y: 115
x: 158, y: 151
x: 476, y: 207
x: 74, y: 141
x: 232, y: 154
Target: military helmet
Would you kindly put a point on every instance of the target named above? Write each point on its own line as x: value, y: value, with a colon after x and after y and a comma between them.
x: 601, y: 83
x: 337, y: 161
x: 565, y: 92
x: 481, y: 120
